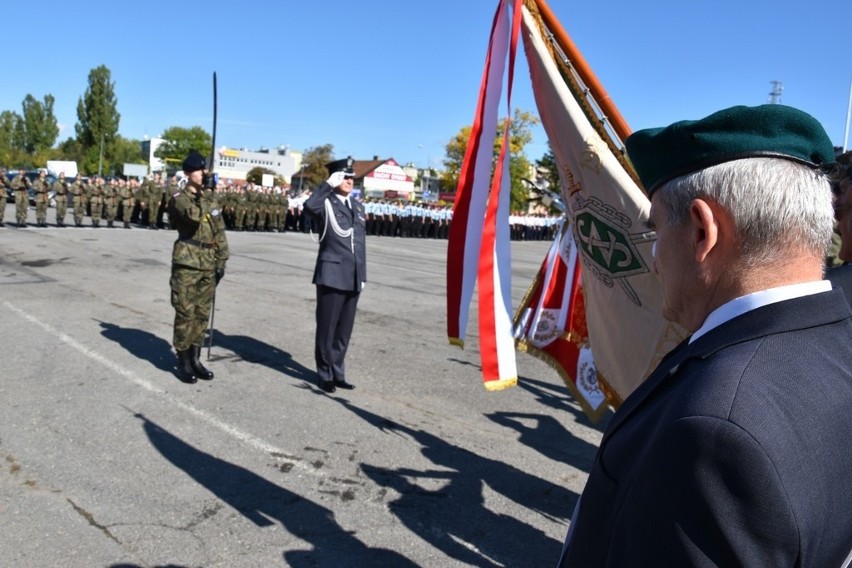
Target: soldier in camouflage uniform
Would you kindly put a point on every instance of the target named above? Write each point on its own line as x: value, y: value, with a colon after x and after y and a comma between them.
x: 126, y: 190
x: 110, y: 202
x: 198, y: 263
x: 60, y: 191
x: 41, y: 189
x: 21, y: 186
x: 240, y: 209
x: 4, y: 183
x: 156, y: 192
x: 95, y: 194
x: 78, y: 200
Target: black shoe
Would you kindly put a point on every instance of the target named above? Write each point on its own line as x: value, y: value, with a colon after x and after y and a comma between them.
x: 184, y: 367
x: 327, y: 386
x: 342, y: 384
x: 200, y: 371
x: 126, y: 225
x: 22, y: 225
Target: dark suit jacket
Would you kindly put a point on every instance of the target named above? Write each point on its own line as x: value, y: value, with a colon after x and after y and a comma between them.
x: 338, y: 266
x: 841, y: 277
x: 736, y: 451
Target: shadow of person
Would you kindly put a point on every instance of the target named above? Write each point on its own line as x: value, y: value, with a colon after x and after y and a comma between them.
x: 260, y: 500
x: 256, y: 351
x: 548, y: 437
x: 447, y: 505
x: 142, y: 345
x: 556, y: 396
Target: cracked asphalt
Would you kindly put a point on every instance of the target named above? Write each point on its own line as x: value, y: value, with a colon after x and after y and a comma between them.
x: 107, y: 460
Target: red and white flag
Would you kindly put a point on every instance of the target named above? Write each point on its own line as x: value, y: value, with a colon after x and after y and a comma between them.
x: 478, y: 248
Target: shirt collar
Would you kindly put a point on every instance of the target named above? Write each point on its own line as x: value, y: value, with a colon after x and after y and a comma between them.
x: 743, y: 304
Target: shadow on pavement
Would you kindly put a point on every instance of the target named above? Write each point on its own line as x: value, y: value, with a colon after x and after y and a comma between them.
x: 557, y: 396
x: 256, y: 351
x: 446, y: 506
x: 263, y: 502
x: 141, y: 344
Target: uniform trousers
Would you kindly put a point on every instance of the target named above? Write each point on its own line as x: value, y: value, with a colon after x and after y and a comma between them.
x: 335, y: 316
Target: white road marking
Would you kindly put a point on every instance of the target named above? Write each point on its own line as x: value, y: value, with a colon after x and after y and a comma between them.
x: 244, y: 437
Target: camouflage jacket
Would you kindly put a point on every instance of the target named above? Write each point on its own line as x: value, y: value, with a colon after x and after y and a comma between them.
x: 201, y: 242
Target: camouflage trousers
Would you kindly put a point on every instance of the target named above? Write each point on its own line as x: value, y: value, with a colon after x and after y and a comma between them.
x: 61, y: 209
x: 192, y: 299
x: 22, y: 203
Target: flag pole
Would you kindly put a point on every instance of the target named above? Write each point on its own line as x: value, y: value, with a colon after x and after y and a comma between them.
x: 602, y: 99
x: 848, y: 113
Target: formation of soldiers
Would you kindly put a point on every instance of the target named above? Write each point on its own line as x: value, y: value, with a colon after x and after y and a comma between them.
x: 100, y: 199
x: 245, y: 207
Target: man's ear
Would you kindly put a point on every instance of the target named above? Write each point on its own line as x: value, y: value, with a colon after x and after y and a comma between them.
x: 705, y: 222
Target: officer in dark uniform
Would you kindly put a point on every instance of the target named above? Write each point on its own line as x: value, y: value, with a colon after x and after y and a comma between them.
x: 198, y: 263
x: 341, y: 270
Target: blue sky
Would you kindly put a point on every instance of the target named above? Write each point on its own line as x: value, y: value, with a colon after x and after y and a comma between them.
x: 399, y: 78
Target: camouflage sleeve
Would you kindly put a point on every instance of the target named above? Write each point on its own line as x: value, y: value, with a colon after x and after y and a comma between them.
x: 184, y: 214
x: 222, y: 251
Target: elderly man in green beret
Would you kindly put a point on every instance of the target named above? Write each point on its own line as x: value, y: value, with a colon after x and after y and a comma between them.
x: 735, y: 450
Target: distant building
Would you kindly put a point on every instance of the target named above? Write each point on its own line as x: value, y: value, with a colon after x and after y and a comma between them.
x: 149, y: 146
x: 235, y: 164
x: 384, y: 179
x: 377, y: 179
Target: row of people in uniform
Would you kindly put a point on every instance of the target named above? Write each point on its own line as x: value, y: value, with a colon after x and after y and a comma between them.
x: 246, y: 207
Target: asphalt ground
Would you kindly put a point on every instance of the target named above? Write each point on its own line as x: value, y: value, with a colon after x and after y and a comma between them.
x: 107, y: 460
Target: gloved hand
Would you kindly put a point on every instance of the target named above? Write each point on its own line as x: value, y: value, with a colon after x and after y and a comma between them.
x: 335, y: 179
x: 220, y: 273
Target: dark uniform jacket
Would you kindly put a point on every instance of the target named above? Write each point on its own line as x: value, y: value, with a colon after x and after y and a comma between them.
x: 841, y: 277
x: 734, y: 452
x: 342, y: 261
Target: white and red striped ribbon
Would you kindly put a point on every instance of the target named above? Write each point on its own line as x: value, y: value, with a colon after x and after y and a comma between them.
x: 479, y: 238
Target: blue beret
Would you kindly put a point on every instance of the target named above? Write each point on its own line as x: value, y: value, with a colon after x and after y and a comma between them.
x: 662, y: 154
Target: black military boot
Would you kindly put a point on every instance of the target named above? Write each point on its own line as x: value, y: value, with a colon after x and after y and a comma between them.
x: 184, y: 367
x: 127, y: 224
x: 200, y: 371
x: 109, y: 225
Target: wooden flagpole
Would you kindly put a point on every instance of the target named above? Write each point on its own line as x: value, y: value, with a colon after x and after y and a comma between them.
x: 585, y: 72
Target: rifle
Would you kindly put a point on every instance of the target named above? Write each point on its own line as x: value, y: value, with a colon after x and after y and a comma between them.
x: 211, y: 184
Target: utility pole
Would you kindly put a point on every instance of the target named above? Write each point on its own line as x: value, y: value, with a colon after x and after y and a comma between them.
x: 775, y: 93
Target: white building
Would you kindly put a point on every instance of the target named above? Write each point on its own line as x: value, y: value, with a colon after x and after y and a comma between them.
x: 149, y: 146
x: 235, y: 164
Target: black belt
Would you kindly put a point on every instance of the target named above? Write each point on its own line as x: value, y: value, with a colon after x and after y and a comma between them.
x: 198, y: 244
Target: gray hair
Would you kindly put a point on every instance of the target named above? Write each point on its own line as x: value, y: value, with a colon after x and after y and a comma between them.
x: 776, y: 205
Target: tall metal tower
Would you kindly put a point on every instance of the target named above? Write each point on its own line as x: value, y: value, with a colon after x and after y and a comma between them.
x: 775, y: 93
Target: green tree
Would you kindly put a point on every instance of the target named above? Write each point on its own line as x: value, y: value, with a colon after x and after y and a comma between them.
x: 126, y: 151
x: 313, y: 171
x: 11, y: 144
x: 520, y: 134
x: 71, y: 149
x: 255, y: 176
x: 178, y: 141
x: 548, y: 163
x: 97, y: 121
x: 40, y: 128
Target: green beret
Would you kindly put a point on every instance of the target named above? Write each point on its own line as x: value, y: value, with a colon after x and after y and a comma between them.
x: 776, y: 131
